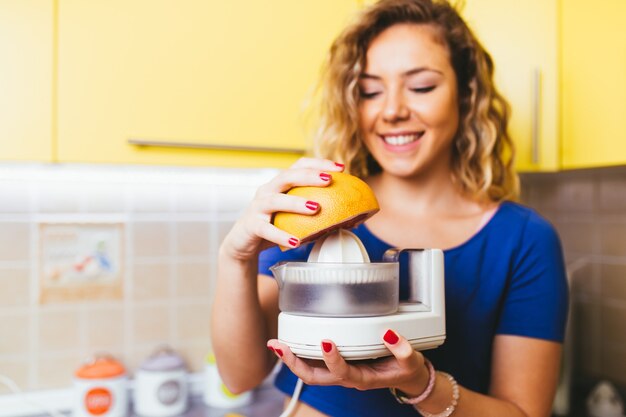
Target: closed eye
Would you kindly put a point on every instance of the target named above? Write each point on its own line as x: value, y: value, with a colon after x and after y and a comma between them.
x: 369, y: 95
x: 423, y: 89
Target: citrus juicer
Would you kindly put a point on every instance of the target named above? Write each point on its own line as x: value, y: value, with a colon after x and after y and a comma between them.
x: 340, y: 296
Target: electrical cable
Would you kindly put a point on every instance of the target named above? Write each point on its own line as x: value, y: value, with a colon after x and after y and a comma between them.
x: 294, y: 399
x: 12, y: 386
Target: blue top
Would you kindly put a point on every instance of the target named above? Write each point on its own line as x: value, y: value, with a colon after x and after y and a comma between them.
x: 509, y: 278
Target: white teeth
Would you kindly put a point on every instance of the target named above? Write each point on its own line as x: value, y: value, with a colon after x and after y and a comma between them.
x: 401, y: 139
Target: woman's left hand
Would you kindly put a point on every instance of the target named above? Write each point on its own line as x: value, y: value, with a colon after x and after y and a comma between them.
x: 404, y: 370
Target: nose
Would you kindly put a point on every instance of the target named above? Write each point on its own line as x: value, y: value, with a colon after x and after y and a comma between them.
x: 395, y: 107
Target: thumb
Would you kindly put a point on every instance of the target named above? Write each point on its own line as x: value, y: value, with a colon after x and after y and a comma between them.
x: 401, y: 349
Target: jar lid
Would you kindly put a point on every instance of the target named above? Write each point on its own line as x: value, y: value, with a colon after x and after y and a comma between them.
x: 163, y: 359
x: 100, y: 366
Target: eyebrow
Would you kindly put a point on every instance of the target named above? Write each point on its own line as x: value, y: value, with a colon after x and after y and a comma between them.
x: 405, y: 74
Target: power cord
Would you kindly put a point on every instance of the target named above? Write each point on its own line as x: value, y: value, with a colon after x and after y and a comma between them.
x: 12, y: 386
x: 294, y: 399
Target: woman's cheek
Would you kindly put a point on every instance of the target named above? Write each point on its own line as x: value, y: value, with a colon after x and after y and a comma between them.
x: 367, y: 115
x: 437, y: 111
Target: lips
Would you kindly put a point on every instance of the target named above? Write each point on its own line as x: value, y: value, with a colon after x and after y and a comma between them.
x: 401, y: 139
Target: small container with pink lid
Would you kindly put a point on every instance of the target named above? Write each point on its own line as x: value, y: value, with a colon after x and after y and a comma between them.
x: 161, y: 388
x: 101, y: 388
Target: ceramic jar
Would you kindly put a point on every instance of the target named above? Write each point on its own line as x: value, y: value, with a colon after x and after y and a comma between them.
x: 101, y: 388
x: 161, y: 388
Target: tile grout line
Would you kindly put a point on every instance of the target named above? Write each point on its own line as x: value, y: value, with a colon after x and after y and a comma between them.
x: 128, y: 313
x: 173, y: 283
x: 33, y: 368
x: 172, y: 263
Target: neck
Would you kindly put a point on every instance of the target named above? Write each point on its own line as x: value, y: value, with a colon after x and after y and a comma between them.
x: 432, y: 192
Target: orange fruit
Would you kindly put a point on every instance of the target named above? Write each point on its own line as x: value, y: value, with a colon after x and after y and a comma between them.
x: 346, y: 202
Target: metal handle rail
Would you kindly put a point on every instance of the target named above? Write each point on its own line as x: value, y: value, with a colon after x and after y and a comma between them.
x: 166, y: 144
x: 536, y: 122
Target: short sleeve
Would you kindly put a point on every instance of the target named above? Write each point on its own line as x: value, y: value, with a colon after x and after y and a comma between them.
x: 273, y: 255
x: 536, y: 301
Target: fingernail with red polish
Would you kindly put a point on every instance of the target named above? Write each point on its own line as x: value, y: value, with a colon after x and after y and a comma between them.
x: 325, y: 176
x: 327, y: 346
x: 293, y: 241
x: 271, y: 348
x: 391, y: 338
x: 279, y: 352
x: 312, y: 205
x: 339, y: 165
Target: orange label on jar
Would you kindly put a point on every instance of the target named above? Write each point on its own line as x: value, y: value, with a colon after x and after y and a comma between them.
x: 98, y: 401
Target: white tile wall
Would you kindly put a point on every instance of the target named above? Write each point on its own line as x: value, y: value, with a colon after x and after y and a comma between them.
x: 174, y: 220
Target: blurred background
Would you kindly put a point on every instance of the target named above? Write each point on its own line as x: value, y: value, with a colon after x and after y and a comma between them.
x: 133, y: 133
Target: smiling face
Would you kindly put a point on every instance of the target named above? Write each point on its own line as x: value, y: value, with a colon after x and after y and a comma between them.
x: 409, y: 107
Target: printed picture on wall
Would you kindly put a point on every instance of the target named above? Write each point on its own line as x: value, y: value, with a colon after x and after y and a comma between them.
x: 81, y: 261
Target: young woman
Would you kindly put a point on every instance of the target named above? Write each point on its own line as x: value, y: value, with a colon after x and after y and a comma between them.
x: 409, y: 105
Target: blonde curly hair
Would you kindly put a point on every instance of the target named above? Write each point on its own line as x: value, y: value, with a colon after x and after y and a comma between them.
x: 483, y: 153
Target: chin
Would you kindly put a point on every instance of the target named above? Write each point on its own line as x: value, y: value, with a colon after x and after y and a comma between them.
x: 402, y: 171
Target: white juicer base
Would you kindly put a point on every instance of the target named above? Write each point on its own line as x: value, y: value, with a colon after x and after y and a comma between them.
x: 361, y: 337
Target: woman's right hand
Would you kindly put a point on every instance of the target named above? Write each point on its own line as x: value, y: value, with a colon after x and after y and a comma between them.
x: 254, y: 231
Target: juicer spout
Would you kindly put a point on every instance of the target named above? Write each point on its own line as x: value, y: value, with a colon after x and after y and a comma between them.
x: 279, y: 270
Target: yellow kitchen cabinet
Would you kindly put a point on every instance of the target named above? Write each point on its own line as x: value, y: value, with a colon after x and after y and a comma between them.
x: 522, y: 38
x: 593, y: 70
x: 26, y: 72
x: 198, y: 72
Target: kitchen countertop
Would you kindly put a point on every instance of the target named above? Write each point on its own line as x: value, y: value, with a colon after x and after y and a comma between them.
x: 267, y: 401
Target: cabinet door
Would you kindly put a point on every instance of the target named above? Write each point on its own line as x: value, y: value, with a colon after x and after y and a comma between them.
x: 189, y: 71
x: 594, y: 83
x: 26, y: 62
x: 521, y: 36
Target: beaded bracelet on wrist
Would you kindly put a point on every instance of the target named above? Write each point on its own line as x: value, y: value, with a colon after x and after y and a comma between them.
x: 455, y: 400
x: 403, y: 399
